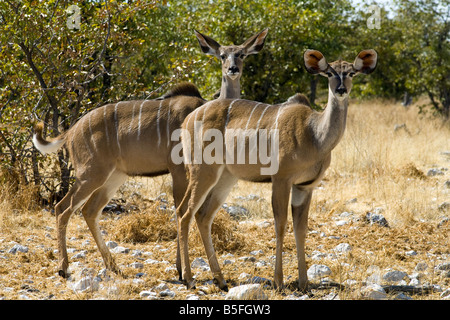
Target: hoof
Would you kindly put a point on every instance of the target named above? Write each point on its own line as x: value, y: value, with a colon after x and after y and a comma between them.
x: 190, y: 285
x: 63, y: 274
x: 222, y: 286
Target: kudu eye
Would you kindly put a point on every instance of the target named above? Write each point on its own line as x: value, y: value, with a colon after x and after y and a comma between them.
x: 223, y: 56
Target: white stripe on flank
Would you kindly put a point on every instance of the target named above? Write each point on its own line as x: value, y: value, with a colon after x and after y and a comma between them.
x: 86, y: 141
x: 228, y: 112
x: 139, y: 120
x: 204, y: 111
x: 260, y: 118
x: 116, y: 124
x: 280, y: 111
x: 132, y: 119
x: 157, y: 122
x: 190, y: 117
x: 253, y: 110
x: 168, y: 125
x: 90, y: 129
x: 106, y: 125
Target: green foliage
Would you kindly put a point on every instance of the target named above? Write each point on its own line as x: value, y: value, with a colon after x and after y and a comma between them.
x: 124, y: 50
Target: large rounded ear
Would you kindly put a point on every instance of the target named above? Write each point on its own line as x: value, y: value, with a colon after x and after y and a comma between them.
x: 208, y: 44
x: 366, y: 61
x: 255, y: 43
x: 315, y: 62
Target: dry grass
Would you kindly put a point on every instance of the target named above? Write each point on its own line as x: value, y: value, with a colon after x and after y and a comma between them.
x: 375, y: 166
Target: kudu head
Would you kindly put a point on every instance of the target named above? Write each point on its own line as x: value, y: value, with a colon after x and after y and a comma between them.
x: 232, y: 57
x: 340, y: 73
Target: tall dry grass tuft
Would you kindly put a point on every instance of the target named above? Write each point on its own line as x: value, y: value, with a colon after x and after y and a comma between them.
x: 158, y: 225
x: 383, y: 158
x: 19, y: 194
x: 153, y: 225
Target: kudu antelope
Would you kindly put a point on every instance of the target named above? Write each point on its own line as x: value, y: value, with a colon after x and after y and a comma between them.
x: 132, y: 138
x: 304, y: 139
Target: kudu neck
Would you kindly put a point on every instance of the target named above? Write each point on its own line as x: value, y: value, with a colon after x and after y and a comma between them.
x: 230, y: 89
x: 331, y: 124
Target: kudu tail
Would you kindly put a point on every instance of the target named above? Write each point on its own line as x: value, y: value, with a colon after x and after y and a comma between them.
x: 43, y: 145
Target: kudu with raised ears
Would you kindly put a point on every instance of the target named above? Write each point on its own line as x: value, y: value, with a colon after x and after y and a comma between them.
x: 129, y: 138
x: 303, y: 139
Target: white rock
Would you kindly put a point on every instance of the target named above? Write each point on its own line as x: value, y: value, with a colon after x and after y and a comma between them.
x: 161, y: 287
x: 120, y: 249
x: 421, y: 266
x: 350, y: 283
x: 257, y: 252
x: 317, y: 271
x: 18, y: 248
x: 317, y: 255
x: 263, y: 224
x: 445, y: 266
x: 228, y: 261
x: 150, y: 295
x: 341, y: 223
x: 343, y: 247
x: 411, y: 253
x: 244, y: 276
x: 137, y: 265
x: 86, y: 284
x: 373, y: 292
x: 79, y: 255
x: 111, y: 244
x: 192, y: 297
x: 152, y: 261
x: 394, y: 276
x: 402, y: 296
x: 376, y: 218
x: 200, y: 263
x: 246, y: 292
x: 167, y: 293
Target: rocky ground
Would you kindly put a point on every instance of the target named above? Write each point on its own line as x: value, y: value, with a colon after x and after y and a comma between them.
x: 350, y: 256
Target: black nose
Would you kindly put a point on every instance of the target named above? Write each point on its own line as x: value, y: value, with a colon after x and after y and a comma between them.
x: 233, y: 69
x: 341, y: 90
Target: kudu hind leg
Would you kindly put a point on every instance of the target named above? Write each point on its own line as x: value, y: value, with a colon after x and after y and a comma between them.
x: 205, y: 217
x: 92, y: 211
x: 179, y: 186
x: 201, y: 182
x: 73, y: 200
